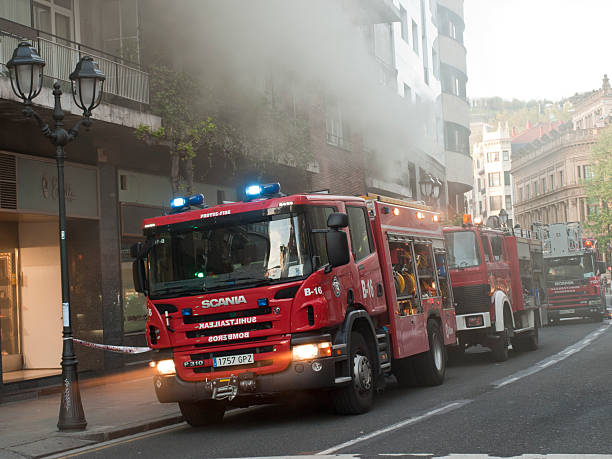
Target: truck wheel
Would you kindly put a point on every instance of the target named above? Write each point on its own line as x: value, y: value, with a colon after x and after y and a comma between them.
x: 430, y: 366
x: 204, y: 413
x: 357, y: 396
x: 403, y: 369
x: 528, y: 341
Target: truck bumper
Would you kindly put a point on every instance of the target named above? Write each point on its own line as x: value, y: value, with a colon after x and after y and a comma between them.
x: 581, y: 311
x: 298, y: 376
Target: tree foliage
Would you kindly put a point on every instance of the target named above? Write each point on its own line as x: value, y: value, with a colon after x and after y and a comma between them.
x: 599, y: 188
x: 174, y: 97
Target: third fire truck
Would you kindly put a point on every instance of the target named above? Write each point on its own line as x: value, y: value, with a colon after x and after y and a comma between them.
x: 496, y: 277
x: 573, y: 286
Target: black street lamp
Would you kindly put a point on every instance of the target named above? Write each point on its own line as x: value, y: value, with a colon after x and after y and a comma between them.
x: 503, y: 217
x: 430, y: 187
x: 26, y: 72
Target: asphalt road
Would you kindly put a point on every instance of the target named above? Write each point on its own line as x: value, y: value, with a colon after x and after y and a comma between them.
x: 553, y: 400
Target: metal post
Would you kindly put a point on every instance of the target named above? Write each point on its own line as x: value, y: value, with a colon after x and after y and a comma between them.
x: 71, y: 414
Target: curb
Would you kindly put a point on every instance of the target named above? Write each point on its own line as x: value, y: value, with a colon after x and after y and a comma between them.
x: 106, y: 434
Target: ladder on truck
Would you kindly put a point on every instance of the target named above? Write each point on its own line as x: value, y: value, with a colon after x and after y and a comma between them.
x: 560, y: 239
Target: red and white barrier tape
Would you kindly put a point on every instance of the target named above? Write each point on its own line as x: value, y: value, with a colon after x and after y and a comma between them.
x: 112, y: 348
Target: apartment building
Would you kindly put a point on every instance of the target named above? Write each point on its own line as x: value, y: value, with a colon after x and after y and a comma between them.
x: 551, y: 163
x: 491, y: 159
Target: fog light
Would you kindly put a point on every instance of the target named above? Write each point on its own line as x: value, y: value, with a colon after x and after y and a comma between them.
x: 474, y: 321
x: 166, y: 367
x: 316, y: 366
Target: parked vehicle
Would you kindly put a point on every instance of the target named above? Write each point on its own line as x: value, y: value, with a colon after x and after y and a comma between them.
x: 252, y: 299
x: 496, y: 278
x: 573, y: 273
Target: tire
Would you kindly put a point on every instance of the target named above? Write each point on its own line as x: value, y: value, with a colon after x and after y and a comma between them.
x: 357, y: 396
x: 430, y: 366
x: 403, y: 369
x: 204, y: 413
x: 500, y: 347
x: 529, y: 341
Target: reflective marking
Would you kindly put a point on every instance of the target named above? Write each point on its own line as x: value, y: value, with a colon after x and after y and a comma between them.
x: 565, y: 353
x: 446, y: 408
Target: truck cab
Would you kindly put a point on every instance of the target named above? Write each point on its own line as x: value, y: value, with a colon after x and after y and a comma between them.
x: 495, y: 286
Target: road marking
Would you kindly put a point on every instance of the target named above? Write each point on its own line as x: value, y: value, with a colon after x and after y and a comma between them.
x: 398, y: 425
x: 565, y: 353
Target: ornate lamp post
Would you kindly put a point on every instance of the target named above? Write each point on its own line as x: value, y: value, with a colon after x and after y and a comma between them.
x: 26, y: 72
x: 430, y: 187
x: 503, y: 217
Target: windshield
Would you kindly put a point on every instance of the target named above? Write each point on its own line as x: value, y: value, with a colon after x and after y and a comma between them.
x: 196, y: 259
x: 569, y: 268
x: 462, y: 249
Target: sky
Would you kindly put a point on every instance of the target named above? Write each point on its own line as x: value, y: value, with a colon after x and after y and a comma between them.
x: 537, y: 49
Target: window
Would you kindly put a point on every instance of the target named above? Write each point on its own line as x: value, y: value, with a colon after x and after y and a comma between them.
x: 508, y: 202
x: 462, y: 249
x: 497, y: 247
x: 552, y: 182
x: 16, y: 11
x: 415, y: 37
x: 479, y: 185
x: 54, y: 17
x: 337, y: 131
x: 520, y: 190
x: 535, y: 188
x: 359, y: 227
x: 507, y: 178
x: 404, y: 17
x: 120, y: 26
x: 527, y: 191
x: 221, y: 197
x: 123, y: 181
x: 560, y: 178
x: 506, y: 155
x: 443, y: 278
x: 456, y: 138
x: 495, y: 202
x: 317, y: 218
x: 435, y: 64
x: 543, y: 182
x: 579, y: 174
x: 486, y: 249
x: 494, y: 179
x: 493, y: 156
x: 587, y: 172
x: 452, y: 80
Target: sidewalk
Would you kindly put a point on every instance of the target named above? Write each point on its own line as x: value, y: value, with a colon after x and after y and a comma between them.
x: 114, y: 407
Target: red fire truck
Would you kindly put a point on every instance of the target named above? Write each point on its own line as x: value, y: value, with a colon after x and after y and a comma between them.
x: 496, y: 278
x: 571, y: 263
x: 275, y: 294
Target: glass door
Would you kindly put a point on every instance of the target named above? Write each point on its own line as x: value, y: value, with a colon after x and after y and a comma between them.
x: 10, y: 344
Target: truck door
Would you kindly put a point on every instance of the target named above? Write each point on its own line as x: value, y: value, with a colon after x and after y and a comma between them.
x: 499, y: 268
x: 371, y: 294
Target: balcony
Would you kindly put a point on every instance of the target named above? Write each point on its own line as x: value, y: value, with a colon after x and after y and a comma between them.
x: 123, y: 80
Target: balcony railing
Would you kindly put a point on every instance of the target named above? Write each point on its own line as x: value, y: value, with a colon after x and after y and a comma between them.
x: 122, y: 80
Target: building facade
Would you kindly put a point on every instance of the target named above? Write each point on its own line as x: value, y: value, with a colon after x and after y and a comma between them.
x: 491, y: 159
x: 549, y: 172
x: 456, y: 110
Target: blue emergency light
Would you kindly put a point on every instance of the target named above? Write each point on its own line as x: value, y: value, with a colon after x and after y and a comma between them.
x: 182, y: 203
x: 260, y: 191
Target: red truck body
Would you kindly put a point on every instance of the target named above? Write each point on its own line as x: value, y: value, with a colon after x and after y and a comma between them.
x: 231, y: 343
x: 495, y: 277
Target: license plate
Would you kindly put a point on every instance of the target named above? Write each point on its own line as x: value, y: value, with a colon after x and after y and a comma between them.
x: 567, y: 311
x: 230, y: 360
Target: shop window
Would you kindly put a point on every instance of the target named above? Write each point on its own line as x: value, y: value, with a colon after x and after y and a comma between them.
x: 134, y: 303
x: 359, y: 227
x: 404, y: 278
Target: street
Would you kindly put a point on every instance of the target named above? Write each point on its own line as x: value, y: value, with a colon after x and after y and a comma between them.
x: 551, y: 401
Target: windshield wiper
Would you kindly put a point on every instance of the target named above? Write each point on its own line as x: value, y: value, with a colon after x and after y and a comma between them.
x: 180, y: 289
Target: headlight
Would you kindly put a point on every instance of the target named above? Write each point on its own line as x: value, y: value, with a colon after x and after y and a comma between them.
x: 166, y: 367
x: 311, y: 351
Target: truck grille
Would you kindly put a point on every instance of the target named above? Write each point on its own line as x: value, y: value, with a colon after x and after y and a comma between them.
x: 227, y: 315
x: 227, y: 330
x: 472, y: 298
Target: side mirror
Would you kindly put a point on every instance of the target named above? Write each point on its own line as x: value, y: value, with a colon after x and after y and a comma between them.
x: 337, y: 220
x: 337, y: 247
x: 139, y: 275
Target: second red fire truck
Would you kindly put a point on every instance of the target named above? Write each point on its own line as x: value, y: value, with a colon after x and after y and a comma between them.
x: 282, y: 293
x: 497, y: 278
